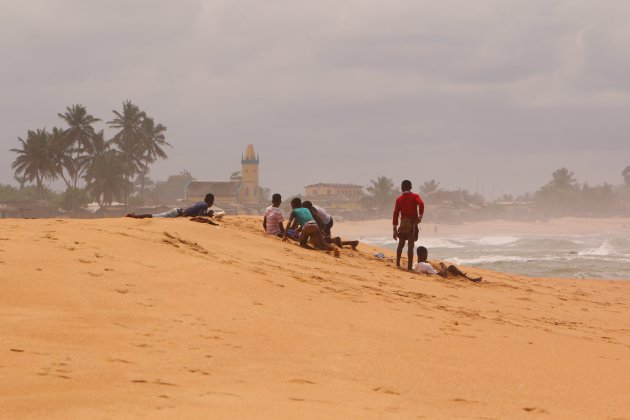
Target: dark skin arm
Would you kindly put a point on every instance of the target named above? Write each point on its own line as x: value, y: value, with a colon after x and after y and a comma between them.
x: 290, y: 225
x: 265, y: 223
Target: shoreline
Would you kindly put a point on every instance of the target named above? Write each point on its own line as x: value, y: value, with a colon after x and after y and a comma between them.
x: 561, y: 226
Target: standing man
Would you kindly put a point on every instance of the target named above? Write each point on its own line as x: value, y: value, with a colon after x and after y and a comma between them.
x: 410, y: 207
x: 272, y: 223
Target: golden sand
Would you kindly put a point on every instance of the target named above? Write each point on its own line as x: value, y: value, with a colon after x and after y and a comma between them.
x: 122, y: 318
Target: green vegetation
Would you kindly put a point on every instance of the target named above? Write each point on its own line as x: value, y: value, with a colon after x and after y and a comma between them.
x: 78, y: 154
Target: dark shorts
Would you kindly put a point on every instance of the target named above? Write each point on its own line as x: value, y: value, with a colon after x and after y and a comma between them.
x: 408, y: 230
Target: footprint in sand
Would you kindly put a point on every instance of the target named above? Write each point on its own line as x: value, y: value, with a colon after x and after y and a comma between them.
x: 302, y: 382
x: 384, y: 390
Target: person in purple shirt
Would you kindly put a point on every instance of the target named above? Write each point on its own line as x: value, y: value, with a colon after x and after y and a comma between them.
x: 198, y: 209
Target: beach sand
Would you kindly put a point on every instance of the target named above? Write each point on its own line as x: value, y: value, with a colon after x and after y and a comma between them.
x: 123, y: 318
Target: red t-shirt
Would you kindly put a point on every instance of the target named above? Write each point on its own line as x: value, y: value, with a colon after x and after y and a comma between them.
x: 409, y: 205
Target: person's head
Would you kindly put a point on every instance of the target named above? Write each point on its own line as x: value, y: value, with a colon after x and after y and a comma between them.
x: 209, y: 200
x: 423, y: 254
x: 308, y: 205
x: 276, y: 200
x: 405, y: 185
x: 296, y: 203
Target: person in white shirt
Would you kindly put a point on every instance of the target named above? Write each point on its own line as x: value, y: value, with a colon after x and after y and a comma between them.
x: 272, y: 223
x: 422, y: 266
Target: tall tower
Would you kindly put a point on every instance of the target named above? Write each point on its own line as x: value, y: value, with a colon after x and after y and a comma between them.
x: 250, y: 190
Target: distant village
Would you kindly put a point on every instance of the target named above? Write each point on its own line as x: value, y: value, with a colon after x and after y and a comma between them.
x: 242, y: 194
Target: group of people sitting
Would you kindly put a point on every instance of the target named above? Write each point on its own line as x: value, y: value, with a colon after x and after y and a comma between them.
x: 308, y: 223
x: 311, y: 225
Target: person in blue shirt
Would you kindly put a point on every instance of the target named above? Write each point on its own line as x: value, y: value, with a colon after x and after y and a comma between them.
x: 198, y: 209
x: 302, y: 219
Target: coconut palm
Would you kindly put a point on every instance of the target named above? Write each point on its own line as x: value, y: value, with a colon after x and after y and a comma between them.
x: 128, y: 139
x: 153, y: 143
x: 78, y: 136
x: 381, y: 192
x: 430, y: 187
x: 62, y: 151
x: 106, y: 180
x: 36, y: 159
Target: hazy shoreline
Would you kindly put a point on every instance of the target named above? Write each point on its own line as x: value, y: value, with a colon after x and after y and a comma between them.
x: 561, y: 226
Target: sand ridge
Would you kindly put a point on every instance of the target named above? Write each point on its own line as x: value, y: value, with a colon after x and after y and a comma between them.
x: 161, y: 318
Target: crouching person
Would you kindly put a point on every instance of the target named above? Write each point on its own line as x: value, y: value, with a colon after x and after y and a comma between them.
x: 302, y: 218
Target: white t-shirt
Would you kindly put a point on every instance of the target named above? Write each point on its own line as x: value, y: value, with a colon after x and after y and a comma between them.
x: 423, y: 267
x: 274, y: 218
x: 323, y: 214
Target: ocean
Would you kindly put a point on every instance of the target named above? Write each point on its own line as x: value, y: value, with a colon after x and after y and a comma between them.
x: 600, y: 256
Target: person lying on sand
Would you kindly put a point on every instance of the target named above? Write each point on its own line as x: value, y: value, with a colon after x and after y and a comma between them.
x: 410, y: 207
x: 422, y: 266
x: 301, y: 217
x: 198, y: 209
x: 272, y: 222
x: 325, y: 223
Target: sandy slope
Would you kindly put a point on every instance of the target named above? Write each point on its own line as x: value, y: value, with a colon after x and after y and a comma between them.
x: 162, y: 318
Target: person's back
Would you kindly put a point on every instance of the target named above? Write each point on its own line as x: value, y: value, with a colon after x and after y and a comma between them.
x: 323, y: 214
x: 273, y: 217
x: 303, y: 216
x: 197, y: 209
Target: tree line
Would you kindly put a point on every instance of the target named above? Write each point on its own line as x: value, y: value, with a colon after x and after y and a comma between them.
x: 563, y: 195
x: 91, y: 165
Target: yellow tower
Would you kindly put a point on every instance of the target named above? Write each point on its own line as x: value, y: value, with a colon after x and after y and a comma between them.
x: 250, y: 190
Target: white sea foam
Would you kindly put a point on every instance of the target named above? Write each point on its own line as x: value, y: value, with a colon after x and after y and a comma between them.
x: 488, y: 259
x: 602, y: 251
x: 494, y: 240
x: 439, y: 243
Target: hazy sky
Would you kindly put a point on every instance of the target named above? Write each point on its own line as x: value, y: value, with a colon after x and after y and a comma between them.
x: 490, y: 95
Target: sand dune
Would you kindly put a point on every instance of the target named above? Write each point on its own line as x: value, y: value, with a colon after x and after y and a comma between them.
x: 121, y: 318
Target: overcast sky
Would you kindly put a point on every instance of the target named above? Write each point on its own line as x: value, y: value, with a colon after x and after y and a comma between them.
x: 489, y: 95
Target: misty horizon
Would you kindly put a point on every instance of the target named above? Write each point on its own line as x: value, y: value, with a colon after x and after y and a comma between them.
x: 491, y: 97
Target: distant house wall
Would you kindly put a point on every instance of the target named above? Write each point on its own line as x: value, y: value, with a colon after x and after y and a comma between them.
x: 339, y: 190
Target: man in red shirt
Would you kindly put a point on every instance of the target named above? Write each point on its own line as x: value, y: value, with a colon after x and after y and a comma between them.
x: 410, y: 207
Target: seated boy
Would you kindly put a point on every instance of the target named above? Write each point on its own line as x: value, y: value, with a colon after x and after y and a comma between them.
x: 272, y: 222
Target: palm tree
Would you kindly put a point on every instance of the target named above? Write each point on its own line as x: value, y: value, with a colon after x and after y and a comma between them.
x: 106, y: 180
x: 381, y: 192
x: 430, y: 187
x: 21, y: 180
x: 79, y: 136
x: 563, y: 179
x: 62, y: 151
x: 626, y: 176
x: 153, y: 142
x: 36, y: 159
x: 128, y: 139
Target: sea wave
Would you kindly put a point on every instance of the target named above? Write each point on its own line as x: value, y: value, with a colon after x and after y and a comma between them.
x: 603, y: 250
x: 489, y: 259
x: 494, y: 240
